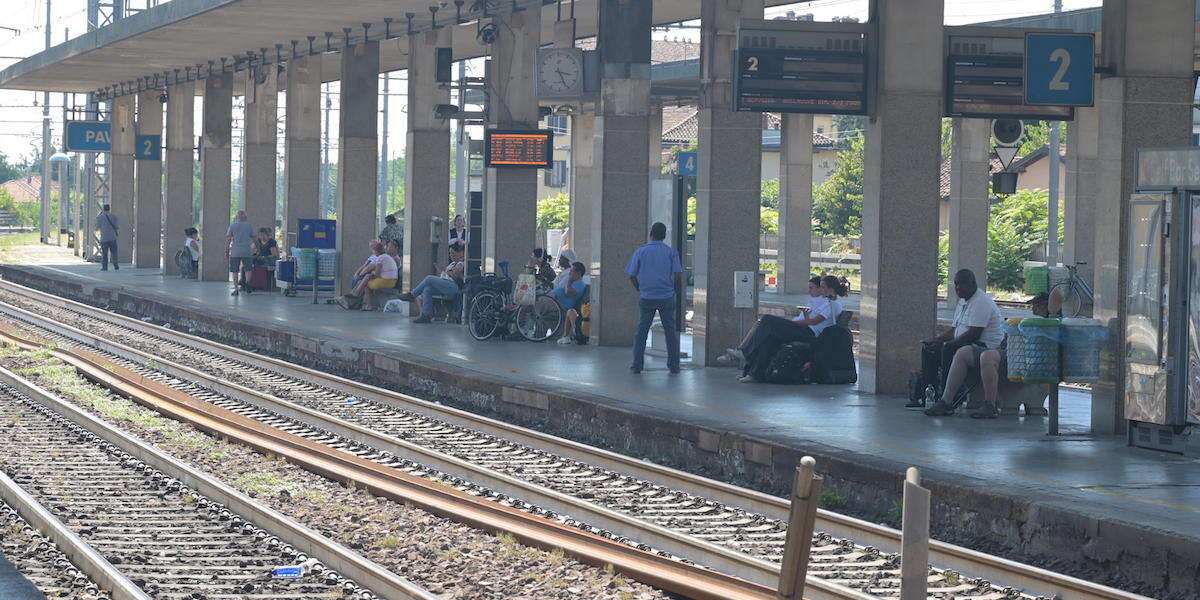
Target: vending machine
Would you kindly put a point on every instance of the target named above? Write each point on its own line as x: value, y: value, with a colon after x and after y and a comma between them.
x: 1162, y: 331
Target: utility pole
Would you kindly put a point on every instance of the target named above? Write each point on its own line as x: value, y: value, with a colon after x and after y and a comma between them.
x: 44, y: 224
x: 462, y: 167
x: 1055, y: 163
x: 384, y: 169
x: 326, y: 185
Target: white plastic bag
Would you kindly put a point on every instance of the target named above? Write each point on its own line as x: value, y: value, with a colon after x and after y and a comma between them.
x: 395, y: 305
x: 526, y: 291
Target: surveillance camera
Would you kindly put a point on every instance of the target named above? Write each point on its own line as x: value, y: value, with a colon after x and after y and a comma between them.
x: 163, y: 97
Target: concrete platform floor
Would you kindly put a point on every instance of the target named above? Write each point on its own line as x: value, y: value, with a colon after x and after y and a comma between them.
x: 14, y: 585
x: 1089, y: 477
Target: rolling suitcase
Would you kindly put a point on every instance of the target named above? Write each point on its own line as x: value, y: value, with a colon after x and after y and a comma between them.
x: 260, y: 278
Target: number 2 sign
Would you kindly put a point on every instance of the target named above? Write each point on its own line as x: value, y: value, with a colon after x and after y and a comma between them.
x: 147, y: 147
x: 1059, y: 68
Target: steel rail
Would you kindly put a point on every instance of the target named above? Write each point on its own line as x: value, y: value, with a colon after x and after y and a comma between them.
x: 382, y: 582
x: 82, y: 555
x: 665, y: 573
x: 945, y: 555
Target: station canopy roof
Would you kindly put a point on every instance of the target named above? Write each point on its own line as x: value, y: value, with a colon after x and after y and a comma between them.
x: 183, y: 33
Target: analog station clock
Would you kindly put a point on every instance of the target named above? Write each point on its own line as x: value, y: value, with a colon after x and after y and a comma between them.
x: 560, y: 73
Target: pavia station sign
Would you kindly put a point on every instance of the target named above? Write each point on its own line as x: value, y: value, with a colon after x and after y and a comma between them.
x: 96, y: 136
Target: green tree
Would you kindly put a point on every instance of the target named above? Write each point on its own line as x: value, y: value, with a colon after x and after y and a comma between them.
x: 848, y: 127
x: 837, y: 202
x: 770, y: 194
x: 8, y: 170
x: 554, y: 212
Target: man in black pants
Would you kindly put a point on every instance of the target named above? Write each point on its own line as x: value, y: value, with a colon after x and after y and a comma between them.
x: 976, y: 321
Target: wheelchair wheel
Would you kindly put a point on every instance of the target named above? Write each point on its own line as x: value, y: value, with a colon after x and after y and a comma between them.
x: 539, y: 321
x: 487, y: 310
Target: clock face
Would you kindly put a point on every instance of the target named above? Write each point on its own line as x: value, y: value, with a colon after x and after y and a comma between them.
x: 560, y: 72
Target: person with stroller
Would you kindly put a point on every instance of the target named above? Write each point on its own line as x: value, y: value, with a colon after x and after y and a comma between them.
x: 976, y: 323
x: 989, y: 365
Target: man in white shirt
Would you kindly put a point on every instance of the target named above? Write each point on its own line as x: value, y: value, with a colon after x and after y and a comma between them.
x: 976, y: 322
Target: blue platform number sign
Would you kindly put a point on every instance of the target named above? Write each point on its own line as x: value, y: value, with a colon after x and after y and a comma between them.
x: 88, y: 136
x: 1059, y: 69
x: 689, y: 163
x: 147, y: 147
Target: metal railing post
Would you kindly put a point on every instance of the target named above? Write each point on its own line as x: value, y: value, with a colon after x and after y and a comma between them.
x: 806, y: 495
x: 914, y: 539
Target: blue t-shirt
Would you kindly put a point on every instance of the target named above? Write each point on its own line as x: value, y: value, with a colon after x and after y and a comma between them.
x: 655, y: 265
x: 569, y: 302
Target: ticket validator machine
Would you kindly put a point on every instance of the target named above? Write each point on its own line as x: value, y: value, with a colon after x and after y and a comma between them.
x: 1162, y: 302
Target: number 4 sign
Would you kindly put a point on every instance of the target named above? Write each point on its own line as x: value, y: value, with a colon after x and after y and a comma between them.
x: 1059, y: 68
x: 147, y: 147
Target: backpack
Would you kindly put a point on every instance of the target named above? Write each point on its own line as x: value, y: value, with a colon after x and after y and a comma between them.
x: 183, y: 258
x: 788, y: 364
x: 833, y: 356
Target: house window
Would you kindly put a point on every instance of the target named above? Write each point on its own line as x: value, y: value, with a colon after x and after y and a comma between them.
x: 558, y: 123
x: 556, y: 175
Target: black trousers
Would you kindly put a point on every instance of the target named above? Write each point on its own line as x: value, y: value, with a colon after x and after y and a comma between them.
x: 107, y: 248
x: 771, y: 333
x: 935, y: 363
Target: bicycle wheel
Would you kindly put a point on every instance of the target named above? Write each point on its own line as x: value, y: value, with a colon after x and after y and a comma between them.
x: 483, y: 319
x: 1072, y: 298
x: 541, y: 320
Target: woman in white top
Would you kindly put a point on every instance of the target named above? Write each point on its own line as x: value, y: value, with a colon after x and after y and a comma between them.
x: 191, y: 241
x: 773, y: 332
x: 815, y: 306
x: 382, y: 275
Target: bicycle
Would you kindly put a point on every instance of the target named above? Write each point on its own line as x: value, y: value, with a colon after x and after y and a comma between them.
x: 492, y: 312
x: 1075, y: 292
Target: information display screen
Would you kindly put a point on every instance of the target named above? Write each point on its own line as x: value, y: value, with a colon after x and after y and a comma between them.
x: 985, y: 78
x: 518, y: 148
x: 801, y: 67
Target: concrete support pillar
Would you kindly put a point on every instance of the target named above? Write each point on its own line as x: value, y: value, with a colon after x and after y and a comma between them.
x: 215, y: 165
x: 510, y: 205
x: 795, y: 204
x: 584, y: 200
x: 428, y: 150
x: 969, y: 178
x: 358, y: 157
x: 622, y: 138
x: 728, y: 187
x: 147, y: 218
x: 900, y: 195
x: 1079, y: 231
x: 258, y: 149
x: 181, y: 139
x: 302, y: 146
x: 1147, y: 103
x: 120, y: 174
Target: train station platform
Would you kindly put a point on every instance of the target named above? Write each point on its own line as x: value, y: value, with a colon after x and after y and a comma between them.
x: 14, y: 585
x: 1085, y: 505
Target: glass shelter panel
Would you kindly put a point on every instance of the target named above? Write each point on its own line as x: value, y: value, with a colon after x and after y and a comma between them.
x: 1191, y: 385
x: 1145, y: 392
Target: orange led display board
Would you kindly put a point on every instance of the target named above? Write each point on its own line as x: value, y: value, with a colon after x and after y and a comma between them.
x: 518, y: 148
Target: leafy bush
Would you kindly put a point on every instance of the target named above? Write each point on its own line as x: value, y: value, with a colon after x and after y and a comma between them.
x: 554, y: 212
x: 1016, y: 228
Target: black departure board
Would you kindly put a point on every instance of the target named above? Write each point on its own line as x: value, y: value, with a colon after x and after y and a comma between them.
x: 518, y: 148
x: 801, y: 67
x: 985, y: 78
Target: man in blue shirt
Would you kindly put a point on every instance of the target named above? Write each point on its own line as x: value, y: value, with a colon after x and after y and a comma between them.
x: 657, y: 275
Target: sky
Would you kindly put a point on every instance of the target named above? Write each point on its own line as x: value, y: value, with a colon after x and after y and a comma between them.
x: 21, y: 112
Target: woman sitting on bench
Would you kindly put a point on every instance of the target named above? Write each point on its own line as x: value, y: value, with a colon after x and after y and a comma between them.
x: 382, y: 275
x: 771, y: 332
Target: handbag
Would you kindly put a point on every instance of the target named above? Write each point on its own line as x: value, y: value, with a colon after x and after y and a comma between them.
x: 526, y: 291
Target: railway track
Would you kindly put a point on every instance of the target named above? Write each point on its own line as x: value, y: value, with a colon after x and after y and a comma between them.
x: 732, y: 529
x: 143, y: 528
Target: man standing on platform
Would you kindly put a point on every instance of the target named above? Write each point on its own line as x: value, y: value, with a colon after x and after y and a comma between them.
x: 240, y: 251
x: 107, y: 224
x: 657, y: 275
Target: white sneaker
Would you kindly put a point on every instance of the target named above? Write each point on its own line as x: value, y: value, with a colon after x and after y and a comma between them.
x: 736, y: 353
x: 747, y: 379
x: 564, y: 341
